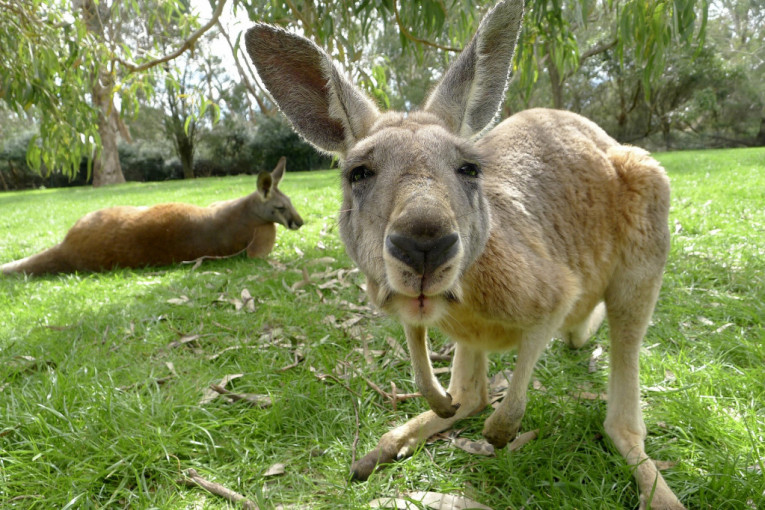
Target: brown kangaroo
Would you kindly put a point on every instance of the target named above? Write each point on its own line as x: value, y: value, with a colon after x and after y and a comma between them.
x: 169, y: 233
x: 537, y: 228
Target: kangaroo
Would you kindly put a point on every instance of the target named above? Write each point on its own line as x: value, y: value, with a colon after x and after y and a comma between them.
x: 165, y: 234
x: 539, y: 227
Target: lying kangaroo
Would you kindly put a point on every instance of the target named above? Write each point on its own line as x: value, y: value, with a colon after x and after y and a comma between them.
x: 169, y: 233
x: 501, y: 241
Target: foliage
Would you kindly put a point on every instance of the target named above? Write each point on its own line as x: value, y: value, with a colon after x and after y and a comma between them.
x: 64, y: 60
x: 658, y: 72
x: 48, y: 60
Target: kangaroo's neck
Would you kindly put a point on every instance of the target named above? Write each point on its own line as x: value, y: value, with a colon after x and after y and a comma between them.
x: 233, y: 222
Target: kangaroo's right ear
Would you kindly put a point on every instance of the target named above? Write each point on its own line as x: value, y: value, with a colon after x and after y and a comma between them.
x: 278, y: 172
x: 323, y: 106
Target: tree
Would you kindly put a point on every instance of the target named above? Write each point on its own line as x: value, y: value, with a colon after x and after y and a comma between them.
x: 83, y: 50
x: 189, y: 91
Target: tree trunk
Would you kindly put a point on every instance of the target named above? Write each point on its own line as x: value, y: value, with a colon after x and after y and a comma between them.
x: 186, y: 155
x: 556, y: 86
x: 106, y: 165
x: 759, y: 140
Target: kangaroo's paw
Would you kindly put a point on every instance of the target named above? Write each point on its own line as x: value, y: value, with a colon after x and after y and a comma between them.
x: 442, y: 405
x: 664, y: 501
x: 397, y: 444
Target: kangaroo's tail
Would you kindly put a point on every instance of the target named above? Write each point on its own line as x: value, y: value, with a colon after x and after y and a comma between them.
x: 50, y: 261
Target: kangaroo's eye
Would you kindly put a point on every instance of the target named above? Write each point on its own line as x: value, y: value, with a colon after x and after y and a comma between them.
x: 359, y: 173
x: 469, y: 170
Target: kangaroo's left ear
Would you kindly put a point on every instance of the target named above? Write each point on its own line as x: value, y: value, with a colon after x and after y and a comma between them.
x: 278, y: 172
x: 265, y: 183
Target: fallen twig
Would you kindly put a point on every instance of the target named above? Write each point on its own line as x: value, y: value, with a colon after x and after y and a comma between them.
x: 298, y: 358
x: 355, y: 444
x: 215, y: 488
x: 322, y: 377
x: 394, y: 398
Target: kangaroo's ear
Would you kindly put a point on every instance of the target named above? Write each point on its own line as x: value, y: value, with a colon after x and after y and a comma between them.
x: 265, y: 183
x: 322, y: 104
x: 278, y: 172
x: 469, y: 95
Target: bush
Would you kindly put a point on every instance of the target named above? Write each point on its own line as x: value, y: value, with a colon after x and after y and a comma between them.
x: 144, y: 161
x: 274, y: 138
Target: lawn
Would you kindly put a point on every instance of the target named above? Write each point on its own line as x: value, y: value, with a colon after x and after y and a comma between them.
x: 105, y: 398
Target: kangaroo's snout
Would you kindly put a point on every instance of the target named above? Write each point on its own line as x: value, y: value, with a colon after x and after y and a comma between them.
x: 423, y: 255
x: 295, y: 223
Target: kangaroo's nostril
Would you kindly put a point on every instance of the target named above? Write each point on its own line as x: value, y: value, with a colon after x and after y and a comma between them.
x: 423, y: 255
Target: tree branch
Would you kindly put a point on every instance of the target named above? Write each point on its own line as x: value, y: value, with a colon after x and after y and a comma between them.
x: 245, y: 80
x: 409, y: 36
x: 187, y: 44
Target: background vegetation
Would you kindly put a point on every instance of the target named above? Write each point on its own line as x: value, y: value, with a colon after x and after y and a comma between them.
x: 104, y: 377
x: 161, y: 89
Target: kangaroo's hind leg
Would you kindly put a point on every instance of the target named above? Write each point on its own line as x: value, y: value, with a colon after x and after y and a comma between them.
x: 630, y: 301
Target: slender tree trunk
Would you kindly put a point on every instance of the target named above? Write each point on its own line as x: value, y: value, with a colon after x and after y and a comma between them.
x: 186, y: 155
x: 556, y: 86
x: 759, y: 140
x: 556, y: 80
x: 106, y: 165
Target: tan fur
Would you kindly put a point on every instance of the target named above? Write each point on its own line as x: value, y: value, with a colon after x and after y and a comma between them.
x: 169, y: 233
x: 501, y: 242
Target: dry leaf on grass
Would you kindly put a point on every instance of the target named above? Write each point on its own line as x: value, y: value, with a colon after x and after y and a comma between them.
x: 321, y: 261
x: 275, y: 470
x: 396, y: 349
x: 594, y: 358
x: 251, y: 398
x: 182, y: 300
x: 500, y: 381
x: 583, y: 393
x: 231, y: 348
x: 248, y: 300
x: 521, y: 440
x: 210, y: 394
x: 434, y: 500
x: 481, y: 447
x: 183, y: 340
x: 301, y: 283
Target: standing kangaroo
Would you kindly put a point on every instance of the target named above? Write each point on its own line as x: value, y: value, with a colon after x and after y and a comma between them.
x: 169, y: 233
x: 501, y: 241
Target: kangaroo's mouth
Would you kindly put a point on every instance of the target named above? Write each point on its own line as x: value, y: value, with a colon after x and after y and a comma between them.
x: 423, y: 309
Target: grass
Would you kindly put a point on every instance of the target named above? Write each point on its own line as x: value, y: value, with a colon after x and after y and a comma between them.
x: 101, y: 375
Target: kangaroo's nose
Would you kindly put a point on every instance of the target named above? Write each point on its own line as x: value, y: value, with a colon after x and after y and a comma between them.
x: 296, y: 223
x: 423, y: 255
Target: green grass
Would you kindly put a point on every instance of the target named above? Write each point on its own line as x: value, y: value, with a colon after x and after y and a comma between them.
x: 98, y: 409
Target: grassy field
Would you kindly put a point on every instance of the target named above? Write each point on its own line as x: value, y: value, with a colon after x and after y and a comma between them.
x: 104, y: 378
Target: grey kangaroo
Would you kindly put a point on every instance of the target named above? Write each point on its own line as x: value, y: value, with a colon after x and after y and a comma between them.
x: 502, y: 239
